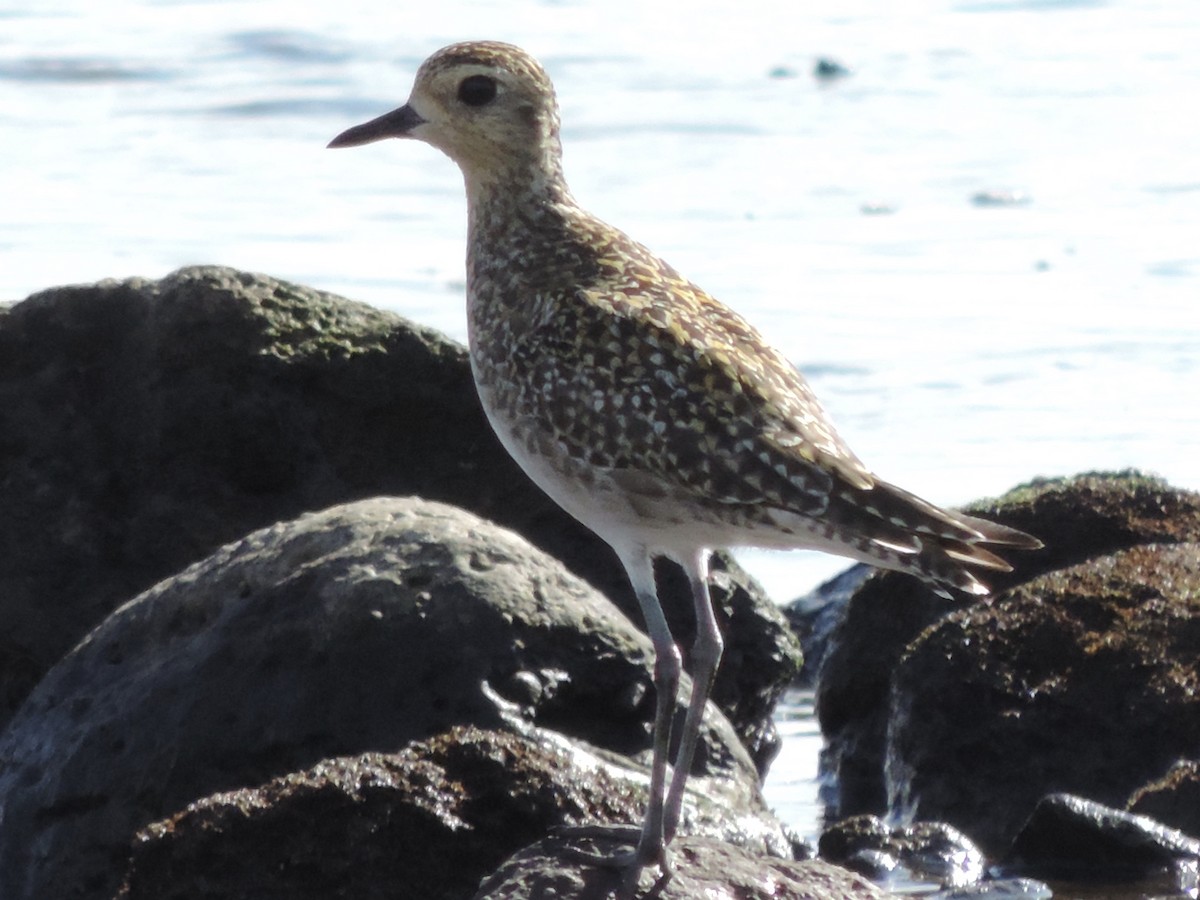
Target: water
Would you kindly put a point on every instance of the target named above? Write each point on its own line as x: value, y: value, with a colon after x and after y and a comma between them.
x: 961, y: 348
x: 793, y: 782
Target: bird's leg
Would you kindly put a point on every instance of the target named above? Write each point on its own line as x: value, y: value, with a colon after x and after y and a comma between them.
x: 650, y: 841
x: 706, y: 656
x: 667, y: 666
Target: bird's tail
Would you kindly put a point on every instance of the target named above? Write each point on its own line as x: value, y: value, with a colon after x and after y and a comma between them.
x: 942, y: 547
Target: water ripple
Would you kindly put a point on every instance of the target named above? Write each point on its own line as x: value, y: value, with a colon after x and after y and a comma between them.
x: 289, y: 46
x: 290, y: 107
x: 77, y: 69
x: 1174, y: 268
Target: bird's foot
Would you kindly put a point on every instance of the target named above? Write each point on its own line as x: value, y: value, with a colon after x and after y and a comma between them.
x: 630, y: 863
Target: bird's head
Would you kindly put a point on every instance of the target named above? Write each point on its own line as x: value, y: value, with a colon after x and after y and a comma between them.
x: 488, y: 106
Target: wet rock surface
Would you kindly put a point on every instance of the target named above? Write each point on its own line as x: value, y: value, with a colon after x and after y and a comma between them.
x: 924, y: 851
x: 1173, y: 799
x: 1069, y: 838
x: 703, y: 868
x: 429, y: 821
x: 360, y: 628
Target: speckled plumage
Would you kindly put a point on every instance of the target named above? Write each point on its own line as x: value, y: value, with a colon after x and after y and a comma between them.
x: 650, y: 411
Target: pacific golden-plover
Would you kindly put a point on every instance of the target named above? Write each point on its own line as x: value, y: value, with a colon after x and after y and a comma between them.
x: 651, y: 412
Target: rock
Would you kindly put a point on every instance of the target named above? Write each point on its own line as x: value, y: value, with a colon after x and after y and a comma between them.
x: 1079, y: 518
x: 1082, y: 680
x: 143, y: 424
x: 829, y: 69
x: 430, y: 821
x: 1071, y: 838
x: 817, y: 616
x: 860, y: 843
x: 998, y: 889
x: 703, y: 868
x: 360, y: 628
x: 1173, y: 799
x: 146, y: 423
x: 923, y: 852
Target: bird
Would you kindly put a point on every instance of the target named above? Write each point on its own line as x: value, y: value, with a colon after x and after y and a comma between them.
x: 651, y: 412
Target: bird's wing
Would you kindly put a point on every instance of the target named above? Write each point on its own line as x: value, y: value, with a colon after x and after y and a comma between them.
x: 664, y: 380
x: 645, y: 375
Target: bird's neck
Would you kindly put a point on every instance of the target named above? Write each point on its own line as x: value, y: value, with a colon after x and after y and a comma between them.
x: 525, y: 254
x: 515, y: 211
x: 521, y: 182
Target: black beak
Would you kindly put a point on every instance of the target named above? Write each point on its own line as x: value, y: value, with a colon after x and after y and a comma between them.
x: 398, y: 123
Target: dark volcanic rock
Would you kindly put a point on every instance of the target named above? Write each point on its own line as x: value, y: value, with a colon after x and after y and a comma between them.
x: 1070, y: 838
x: 1079, y: 518
x: 827, y: 69
x: 1173, y: 799
x: 145, y: 423
x: 360, y: 628
x: 430, y: 821
x: 703, y: 868
x: 924, y: 851
x: 1083, y: 680
x: 816, y: 618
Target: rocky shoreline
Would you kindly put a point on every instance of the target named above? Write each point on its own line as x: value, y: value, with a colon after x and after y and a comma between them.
x: 281, y: 619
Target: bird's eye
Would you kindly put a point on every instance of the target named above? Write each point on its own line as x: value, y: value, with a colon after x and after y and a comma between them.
x: 477, y: 90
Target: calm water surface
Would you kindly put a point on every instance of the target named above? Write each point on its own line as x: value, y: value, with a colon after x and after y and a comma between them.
x: 961, y: 348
